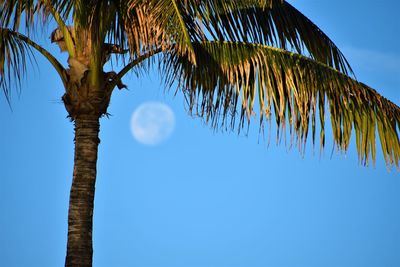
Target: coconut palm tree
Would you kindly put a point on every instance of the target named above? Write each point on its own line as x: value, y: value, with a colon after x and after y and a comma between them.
x: 231, y: 59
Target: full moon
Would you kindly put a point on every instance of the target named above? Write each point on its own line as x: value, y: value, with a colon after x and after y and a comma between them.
x: 152, y: 123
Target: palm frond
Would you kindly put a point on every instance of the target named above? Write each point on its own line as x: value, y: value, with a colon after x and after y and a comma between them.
x: 13, y: 11
x: 231, y: 76
x: 13, y: 57
x: 15, y: 50
x: 274, y: 23
x: 172, y: 19
x: 63, y: 7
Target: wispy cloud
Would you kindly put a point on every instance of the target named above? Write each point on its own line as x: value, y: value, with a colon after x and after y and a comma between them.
x: 372, y: 60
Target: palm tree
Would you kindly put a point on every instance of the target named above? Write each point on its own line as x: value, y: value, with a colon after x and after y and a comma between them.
x: 223, y: 55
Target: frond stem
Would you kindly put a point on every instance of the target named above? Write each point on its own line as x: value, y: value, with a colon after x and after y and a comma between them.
x: 132, y: 64
x: 64, y: 29
x: 56, y: 64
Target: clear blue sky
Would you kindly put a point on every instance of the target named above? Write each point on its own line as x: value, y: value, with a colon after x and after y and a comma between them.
x: 204, y: 198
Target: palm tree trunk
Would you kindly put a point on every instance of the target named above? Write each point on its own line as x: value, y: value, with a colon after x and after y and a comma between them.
x: 80, y: 215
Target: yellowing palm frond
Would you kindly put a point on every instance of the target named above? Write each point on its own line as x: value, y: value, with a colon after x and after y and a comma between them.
x: 231, y: 77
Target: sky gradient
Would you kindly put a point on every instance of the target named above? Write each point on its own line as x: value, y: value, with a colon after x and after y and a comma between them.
x: 205, y: 198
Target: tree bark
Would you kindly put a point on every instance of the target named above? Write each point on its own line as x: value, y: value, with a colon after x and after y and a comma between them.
x: 80, y: 214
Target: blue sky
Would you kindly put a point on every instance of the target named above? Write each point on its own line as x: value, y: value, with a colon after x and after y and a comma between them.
x: 203, y: 198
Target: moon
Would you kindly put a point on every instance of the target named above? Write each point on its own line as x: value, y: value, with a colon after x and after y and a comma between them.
x: 152, y: 123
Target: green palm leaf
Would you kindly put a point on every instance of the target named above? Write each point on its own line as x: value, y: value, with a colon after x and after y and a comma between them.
x: 15, y: 50
x: 12, y: 12
x: 13, y: 57
x: 230, y: 77
x: 30, y: 11
x: 274, y: 23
